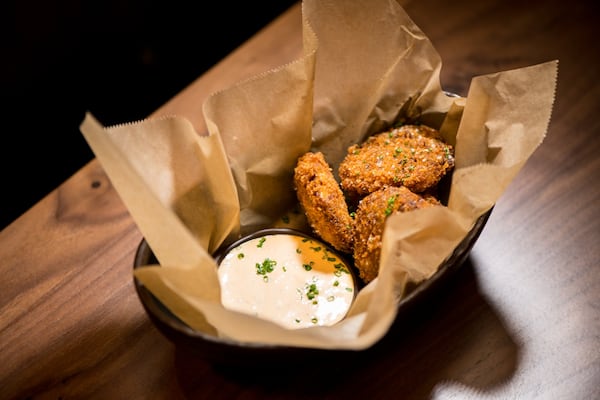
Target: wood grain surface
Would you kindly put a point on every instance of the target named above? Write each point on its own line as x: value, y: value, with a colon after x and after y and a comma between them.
x: 520, y: 320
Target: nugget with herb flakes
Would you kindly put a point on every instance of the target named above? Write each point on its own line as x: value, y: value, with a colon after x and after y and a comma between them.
x: 414, y: 156
x: 323, y: 202
x: 369, y: 221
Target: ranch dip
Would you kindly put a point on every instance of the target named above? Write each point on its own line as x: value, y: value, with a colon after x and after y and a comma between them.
x: 286, y: 278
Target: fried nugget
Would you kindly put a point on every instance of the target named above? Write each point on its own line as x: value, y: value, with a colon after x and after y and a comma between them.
x: 323, y: 201
x: 369, y: 223
x: 414, y: 156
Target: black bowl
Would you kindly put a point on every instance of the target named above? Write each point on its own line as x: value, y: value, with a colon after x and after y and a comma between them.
x: 228, y: 352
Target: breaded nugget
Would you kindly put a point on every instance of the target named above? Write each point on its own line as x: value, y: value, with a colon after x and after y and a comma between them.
x: 414, y: 156
x: 323, y: 201
x: 369, y: 222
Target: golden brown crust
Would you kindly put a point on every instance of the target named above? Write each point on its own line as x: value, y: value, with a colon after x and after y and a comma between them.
x: 393, y: 171
x: 371, y: 215
x: 323, y: 201
x: 414, y: 156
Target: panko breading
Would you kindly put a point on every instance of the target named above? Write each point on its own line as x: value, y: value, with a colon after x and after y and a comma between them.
x: 414, y: 156
x: 370, y: 218
x: 323, y: 201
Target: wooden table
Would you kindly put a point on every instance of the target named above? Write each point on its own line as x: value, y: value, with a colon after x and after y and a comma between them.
x: 521, y: 319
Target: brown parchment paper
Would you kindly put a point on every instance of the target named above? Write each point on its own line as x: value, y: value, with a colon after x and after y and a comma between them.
x: 364, y: 65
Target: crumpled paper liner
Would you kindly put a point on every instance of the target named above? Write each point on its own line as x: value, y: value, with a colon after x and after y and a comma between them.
x: 364, y: 65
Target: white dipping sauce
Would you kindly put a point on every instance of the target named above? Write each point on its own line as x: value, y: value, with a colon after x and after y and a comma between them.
x: 289, y: 279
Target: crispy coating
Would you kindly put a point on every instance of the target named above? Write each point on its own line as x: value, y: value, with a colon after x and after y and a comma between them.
x: 323, y: 201
x: 371, y: 215
x: 414, y: 156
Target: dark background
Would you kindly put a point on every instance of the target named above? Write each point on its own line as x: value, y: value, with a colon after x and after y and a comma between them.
x: 119, y: 59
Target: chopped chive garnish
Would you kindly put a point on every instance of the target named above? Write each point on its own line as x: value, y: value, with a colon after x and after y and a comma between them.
x: 265, y: 267
x: 390, y: 205
x: 312, y: 291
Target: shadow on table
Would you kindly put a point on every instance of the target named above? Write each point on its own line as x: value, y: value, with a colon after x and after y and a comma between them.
x: 452, y: 334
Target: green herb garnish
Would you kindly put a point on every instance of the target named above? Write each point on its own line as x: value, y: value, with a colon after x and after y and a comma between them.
x: 341, y: 268
x: 265, y: 267
x: 390, y: 205
x: 312, y: 291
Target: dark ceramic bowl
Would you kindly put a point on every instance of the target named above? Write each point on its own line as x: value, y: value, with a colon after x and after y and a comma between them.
x: 231, y: 353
